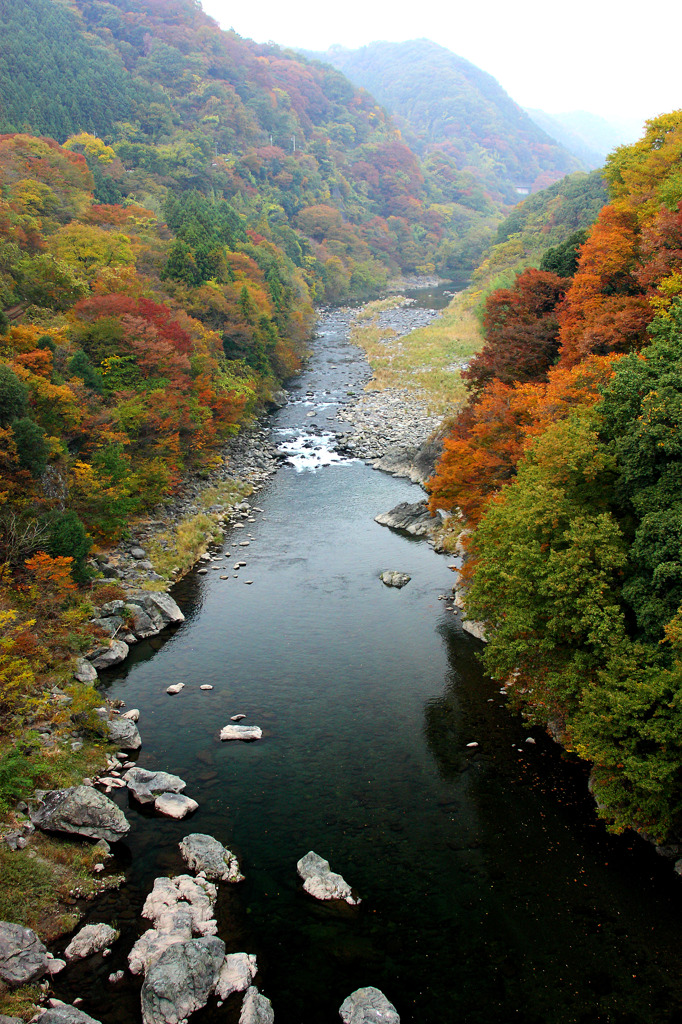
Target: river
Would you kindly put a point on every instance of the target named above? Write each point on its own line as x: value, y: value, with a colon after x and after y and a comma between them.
x: 490, y: 893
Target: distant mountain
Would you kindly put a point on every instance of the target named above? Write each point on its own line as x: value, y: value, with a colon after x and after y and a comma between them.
x: 589, y: 137
x: 444, y: 103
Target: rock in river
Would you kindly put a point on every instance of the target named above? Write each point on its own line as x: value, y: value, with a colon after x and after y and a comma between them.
x: 321, y: 882
x: 174, y: 805
x: 368, y: 1006
x: 81, y: 811
x: 392, y: 578
x: 66, y: 1014
x: 181, y: 980
x: 256, y: 1009
x: 204, y: 853
x: 236, y: 974
x: 23, y: 957
x: 413, y: 518
x: 92, y: 938
x: 241, y: 732
x: 145, y: 786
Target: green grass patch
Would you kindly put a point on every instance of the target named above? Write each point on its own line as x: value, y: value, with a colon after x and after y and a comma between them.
x: 21, y: 1002
x: 429, y: 360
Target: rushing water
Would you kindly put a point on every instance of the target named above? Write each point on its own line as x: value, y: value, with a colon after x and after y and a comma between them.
x: 489, y: 892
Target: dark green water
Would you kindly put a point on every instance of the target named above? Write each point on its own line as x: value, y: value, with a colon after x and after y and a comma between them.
x: 490, y: 894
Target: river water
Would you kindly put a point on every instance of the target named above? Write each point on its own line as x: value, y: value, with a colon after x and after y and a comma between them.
x: 490, y: 894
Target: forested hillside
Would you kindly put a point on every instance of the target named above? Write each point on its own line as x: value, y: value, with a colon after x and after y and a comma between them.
x: 446, y: 105
x: 567, y: 467
x: 292, y: 144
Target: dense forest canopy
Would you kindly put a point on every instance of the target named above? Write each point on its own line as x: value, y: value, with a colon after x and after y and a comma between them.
x: 447, y: 105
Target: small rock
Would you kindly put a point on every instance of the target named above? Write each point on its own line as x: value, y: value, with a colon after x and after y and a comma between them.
x: 175, y: 688
x: 204, y: 853
x: 93, y: 938
x: 236, y: 974
x: 256, y: 1009
x: 174, y: 805
x: 368, y: 1006
x: 116, y: 977
x: 237, y: 718
x: 133, y: 715
x: 321, y: 882
x: 392, y: 578
x: 474, y: 744
x: 205, y: 686
x: 241, y: 732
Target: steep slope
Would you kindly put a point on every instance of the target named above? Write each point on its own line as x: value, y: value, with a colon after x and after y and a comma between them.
x: 443, y: 102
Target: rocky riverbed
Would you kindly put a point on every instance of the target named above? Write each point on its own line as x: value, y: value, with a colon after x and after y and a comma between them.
x: 392, y: 422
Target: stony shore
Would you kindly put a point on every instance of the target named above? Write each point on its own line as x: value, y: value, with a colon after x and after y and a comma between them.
x: 389, y: 426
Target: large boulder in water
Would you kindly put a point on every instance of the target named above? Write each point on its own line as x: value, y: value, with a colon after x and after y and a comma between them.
x: 414, y: 518
x: 256, y: 1009
x: 236, y: 974
x: 145, y: 786
x: 321, y: 882
x: 393, y: 578
x: 92, y: 938
x: 204, y: 853
x: 81, y: 811
x: 368, y: 1006
x: 181, y: 980
x: 23, y: 957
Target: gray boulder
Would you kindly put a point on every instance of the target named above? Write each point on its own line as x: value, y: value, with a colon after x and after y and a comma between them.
x: 236, y: 974
x: 85, y: 671
x: 23, y: 957
x: 109, y: 624
x: 161, y: 609
x: 123, y: 732
x: 92, y: 938
x: 145, y: 786
x: 321, y: 882
x: 204, y: 853
x: 10, y: 1020
x: 181, y: 980
x: 392, y: 578
x: 175, y: 805
x: 256, y: 1009
x: 81, y: 811
x: 109, y: 654
x: 140, y: 622
x: 368, y: 1006
x: 66, y: 1014
x: 241, y: 732
x: 413, y: 518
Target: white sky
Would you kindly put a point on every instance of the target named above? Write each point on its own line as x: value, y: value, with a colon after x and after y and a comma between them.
x: 603, y: 56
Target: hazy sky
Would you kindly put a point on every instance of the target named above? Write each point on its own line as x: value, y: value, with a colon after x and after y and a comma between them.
x: 589, y: 55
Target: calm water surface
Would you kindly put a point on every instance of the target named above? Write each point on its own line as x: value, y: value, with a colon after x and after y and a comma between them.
x: 489, y: 892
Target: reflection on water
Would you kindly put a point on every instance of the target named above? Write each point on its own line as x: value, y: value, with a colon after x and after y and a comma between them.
x: 489, y: 893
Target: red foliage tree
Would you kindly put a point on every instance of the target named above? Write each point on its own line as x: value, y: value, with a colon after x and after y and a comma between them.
x: 521, y: 331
